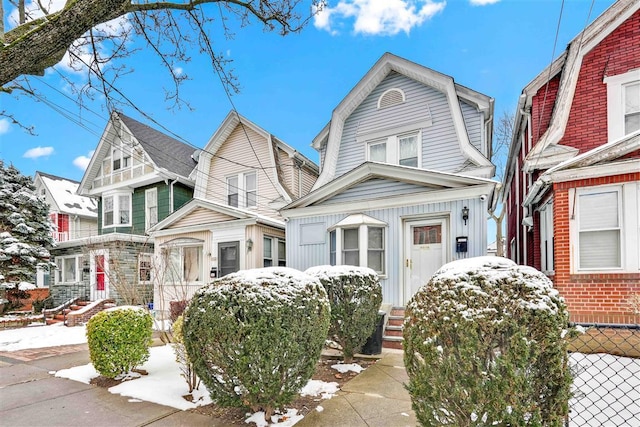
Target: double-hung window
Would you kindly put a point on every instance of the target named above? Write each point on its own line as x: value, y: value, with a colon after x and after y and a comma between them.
x: 358, y: 240
x: 151, y: 207
x: 116, y: 210
x: 69, y: 269
x: 623, y: 104
x: 397, y: 149
x: 546, y: 237
x: 631, y: 107
x: 274, y: 250
x: 184, y: 264
x: 599, y: 228
x: 242, y: 190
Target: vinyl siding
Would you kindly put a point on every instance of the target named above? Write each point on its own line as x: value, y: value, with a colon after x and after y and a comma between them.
x: 200, y: 216
x: 440, y: 148
x: 181, y: 195
x: 302, y: 257
x: 256, y: 233
x: 238, y: 148
x: 163, y: 293
x: 473, y: 123
x: 374, y: 189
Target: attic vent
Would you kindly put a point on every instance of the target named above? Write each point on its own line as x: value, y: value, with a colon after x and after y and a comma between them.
x: 390, y: 98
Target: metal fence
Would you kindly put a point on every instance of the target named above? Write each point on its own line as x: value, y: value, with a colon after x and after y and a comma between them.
x: 605, y: 362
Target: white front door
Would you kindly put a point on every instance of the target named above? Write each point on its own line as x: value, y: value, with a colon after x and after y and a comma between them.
x: 99, y: 265
x: 425, y: 252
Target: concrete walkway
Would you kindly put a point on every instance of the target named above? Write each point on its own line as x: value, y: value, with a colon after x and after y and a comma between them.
x: 376, y: 397
x: 30, y: 396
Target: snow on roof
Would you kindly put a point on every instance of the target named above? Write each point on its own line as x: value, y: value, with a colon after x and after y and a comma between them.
x: 63, y: 191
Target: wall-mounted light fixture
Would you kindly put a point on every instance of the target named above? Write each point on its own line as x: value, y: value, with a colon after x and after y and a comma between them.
x: 465, y: 214
x: 249, y: 244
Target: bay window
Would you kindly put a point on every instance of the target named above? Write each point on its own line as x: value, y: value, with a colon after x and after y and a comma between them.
x: 116, y: 210
x: 358, y: 240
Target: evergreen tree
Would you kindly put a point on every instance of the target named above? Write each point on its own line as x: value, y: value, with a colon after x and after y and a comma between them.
x: 25, y: 230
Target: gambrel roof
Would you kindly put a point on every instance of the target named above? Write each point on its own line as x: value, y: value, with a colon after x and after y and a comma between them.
x: 330, y: 136
x: 568, y: 66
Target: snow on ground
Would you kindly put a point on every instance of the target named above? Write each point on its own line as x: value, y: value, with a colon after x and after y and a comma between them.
x: 163, y: 384
x: 346, y: 367
x: 607, y: 388
x: 41, y: 336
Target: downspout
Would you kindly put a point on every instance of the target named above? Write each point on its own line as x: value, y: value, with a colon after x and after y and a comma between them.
x: 171, y: 194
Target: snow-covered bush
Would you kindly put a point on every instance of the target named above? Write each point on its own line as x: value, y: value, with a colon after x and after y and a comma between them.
x: 254, y: 337
x: 119, y: 339
x: 485, y: 345
x: 355, y: 296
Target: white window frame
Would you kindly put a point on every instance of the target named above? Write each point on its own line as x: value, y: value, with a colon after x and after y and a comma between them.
x: 148, y: 214
x: 242, y: 189
x: 546, y: 238
x: 393, y: 147
x: 278, y: 257
x: 336, y: 234
x: 595, y: 190
x: 170, y: 273
x: 116, y: 196
x: 615, y: 102
x: 61, y: 271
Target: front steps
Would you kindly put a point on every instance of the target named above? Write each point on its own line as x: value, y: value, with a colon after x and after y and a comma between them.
x: 79, y: 312
x: 392, y: 336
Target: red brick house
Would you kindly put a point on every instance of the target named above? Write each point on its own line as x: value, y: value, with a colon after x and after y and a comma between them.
x: 572, y: 183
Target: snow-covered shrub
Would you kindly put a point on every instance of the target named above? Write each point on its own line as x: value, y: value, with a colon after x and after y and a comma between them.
x: 119, y: 339
x: 186, y: 367
x: 255, y: 336
x: 485, y: 345
x: 355, y: 296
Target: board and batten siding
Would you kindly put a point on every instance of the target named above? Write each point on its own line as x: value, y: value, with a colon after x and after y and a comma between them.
x: 239, y: 149
x: 302, y: 256
x: 473, y: 122
x: 440, y: 147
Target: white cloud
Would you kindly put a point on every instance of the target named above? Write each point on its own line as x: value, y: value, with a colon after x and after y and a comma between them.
x: 34, y: 153
x: 482, y: 2
x: 378, y: 17
x: 178, y: 71
x: 82, y: 162
x: 4, y: 126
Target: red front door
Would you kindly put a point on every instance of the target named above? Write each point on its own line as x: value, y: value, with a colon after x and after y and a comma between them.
x: 99, y: 272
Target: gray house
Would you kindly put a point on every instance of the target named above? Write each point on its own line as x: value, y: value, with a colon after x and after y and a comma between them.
x: 404, y: 183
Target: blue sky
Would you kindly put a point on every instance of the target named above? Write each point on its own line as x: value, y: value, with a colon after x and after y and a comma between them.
x: 290, y: 85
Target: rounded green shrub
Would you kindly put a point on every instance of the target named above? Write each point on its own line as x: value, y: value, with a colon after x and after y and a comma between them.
x: 484, y: 345
x: 119, y: 339
x: 355, y: 296
x: 254, y: 337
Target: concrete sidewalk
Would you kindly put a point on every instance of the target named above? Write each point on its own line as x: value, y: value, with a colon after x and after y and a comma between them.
x: 31, y: 396
x: 376, y: 397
